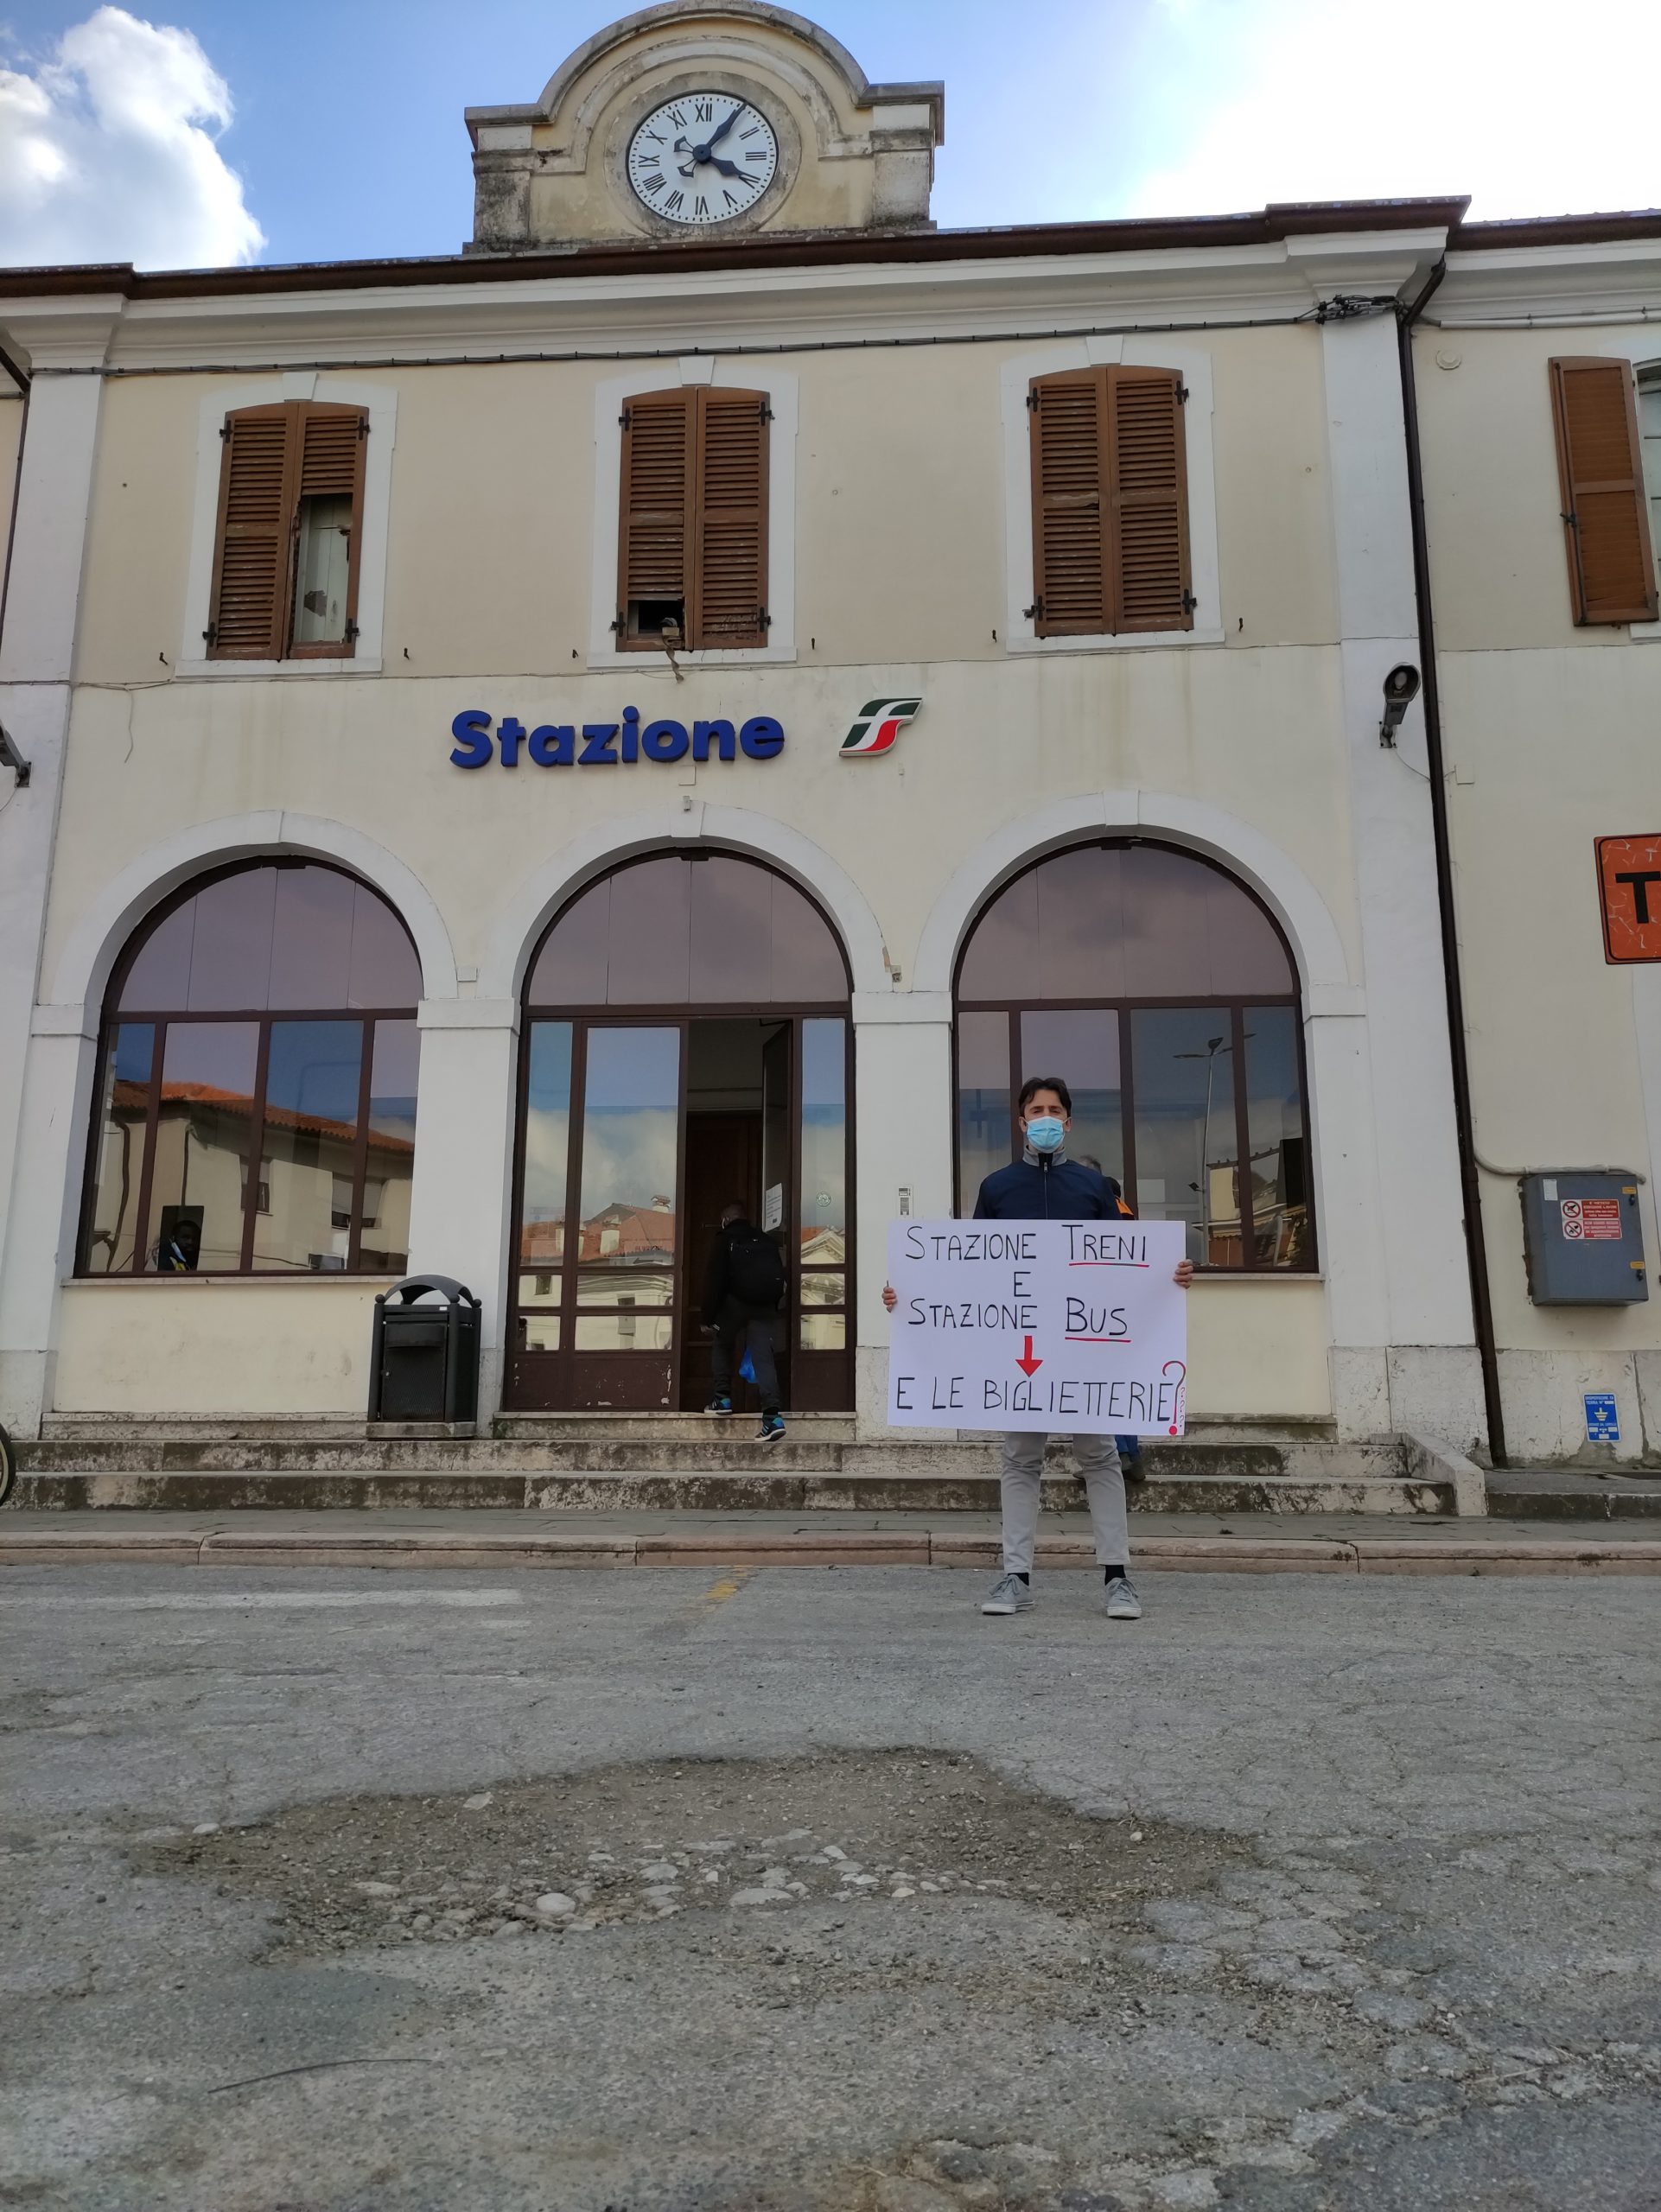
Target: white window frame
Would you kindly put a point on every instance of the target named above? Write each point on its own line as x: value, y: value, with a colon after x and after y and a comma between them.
x: 1193, y: 364
x: 1647, y: 375
x: 380, y: 402
x: 610, y: 397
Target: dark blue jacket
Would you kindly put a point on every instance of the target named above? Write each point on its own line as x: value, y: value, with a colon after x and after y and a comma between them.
x: 1060, y: 1189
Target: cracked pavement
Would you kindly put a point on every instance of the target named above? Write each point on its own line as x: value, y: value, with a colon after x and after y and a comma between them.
x: 1300, y: 1896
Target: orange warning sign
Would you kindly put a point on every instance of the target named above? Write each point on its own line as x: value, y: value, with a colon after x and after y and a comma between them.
x: 1629, y: 886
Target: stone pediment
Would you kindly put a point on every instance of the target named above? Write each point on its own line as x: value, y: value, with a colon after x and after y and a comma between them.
x: 826, y: 150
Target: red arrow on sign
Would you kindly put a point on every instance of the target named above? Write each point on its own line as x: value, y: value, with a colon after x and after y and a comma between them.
x: 1027, y: 1364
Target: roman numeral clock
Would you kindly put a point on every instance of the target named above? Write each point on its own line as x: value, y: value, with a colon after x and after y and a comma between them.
x: 701, y: 159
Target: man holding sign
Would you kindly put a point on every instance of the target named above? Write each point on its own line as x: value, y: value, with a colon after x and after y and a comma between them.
x: 1083, y: 1292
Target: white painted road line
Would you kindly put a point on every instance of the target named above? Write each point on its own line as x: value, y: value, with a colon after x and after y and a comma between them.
x: 219, y: 1601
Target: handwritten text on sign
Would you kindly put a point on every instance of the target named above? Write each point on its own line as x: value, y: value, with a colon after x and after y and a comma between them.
x: 1071, y: 1325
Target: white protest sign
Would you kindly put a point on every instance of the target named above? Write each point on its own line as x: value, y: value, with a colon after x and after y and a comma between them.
x: 1076, y: 1327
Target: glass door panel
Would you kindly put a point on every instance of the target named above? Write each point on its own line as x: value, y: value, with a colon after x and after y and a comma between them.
x: 823, y: 1340
x: 622, y: 1308
x: 539, y: 1261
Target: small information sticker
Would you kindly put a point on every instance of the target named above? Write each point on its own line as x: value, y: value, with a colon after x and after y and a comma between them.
x: 1602, y: 1422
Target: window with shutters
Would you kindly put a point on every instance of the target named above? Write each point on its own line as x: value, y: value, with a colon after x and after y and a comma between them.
x: 1110, y: 502
x: 692, y: 527
x: 289, y: 541
x: 1606, y: 509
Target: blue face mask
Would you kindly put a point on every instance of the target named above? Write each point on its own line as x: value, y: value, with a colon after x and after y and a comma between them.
x: 1045, y: 1132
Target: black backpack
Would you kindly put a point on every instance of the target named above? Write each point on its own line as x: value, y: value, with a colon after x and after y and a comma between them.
x: 755, y: 1272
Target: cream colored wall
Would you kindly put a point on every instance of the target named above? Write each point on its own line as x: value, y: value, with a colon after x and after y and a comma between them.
x: 1252, y: 732
x: 1259, y: 1351
x: 900, y: 508
x: 1550, y: 735
x: 1493, y: 499
x: 190, y: 1345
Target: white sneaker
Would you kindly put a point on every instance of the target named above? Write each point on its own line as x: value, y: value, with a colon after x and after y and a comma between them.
x: 1008, y: 1594
x: 1121, y: 1602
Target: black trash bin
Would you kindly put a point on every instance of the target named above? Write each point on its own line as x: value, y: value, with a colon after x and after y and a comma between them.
x: 424, y: 1364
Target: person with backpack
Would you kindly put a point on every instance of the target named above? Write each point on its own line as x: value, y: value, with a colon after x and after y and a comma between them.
x: 1043, y: 1184
x: 743, y: 1292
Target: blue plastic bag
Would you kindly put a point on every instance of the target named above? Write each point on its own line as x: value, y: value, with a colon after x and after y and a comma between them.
x: 745, y: 1366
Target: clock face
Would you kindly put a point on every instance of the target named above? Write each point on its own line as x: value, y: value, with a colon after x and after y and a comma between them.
x: 703, y: 158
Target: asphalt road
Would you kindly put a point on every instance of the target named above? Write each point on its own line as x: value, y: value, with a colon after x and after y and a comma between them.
x: 812, y: 1891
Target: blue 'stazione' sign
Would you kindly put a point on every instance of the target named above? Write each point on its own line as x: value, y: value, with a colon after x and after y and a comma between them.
x: 609, y: 745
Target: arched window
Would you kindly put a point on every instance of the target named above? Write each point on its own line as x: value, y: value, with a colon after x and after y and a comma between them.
x: 1162, y: 993
x: 257, y: 1090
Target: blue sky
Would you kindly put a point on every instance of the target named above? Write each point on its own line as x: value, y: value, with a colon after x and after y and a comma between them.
x: 222, y: 129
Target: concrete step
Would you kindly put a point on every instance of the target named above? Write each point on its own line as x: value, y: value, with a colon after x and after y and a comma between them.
x: 1563, y: 1494
x: 197, y: 1490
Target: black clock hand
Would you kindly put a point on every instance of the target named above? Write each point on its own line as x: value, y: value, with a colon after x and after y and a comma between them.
x: 715, y: 136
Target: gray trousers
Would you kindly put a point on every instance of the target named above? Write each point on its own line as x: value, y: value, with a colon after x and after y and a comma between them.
x: 1097, y: 1458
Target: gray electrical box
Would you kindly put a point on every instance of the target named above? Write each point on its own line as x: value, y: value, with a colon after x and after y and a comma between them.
x: 1584, y: 1240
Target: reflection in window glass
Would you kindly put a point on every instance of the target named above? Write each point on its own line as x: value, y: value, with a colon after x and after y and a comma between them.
x: 314, y: 1076
x: 538, y: 1332
x: 630, y: 1113
x: 824, y: 1331
x: 201, y: 1141
x: 1280, y: 1207
x: 824, y: 1142
x: 824, y: 1289
x: 675, y: 931
x: 1186, y: 1147
x: 984, y: 1102
x: 642, y: 1277
x: 322, y: 568
x: 123, y: 1111
x: 389, y: 1175
x: 1139, y: 921
x: 1083, y: 1049
x: 306, y: 938
x: 547, y: 1145
x: 623, y: 1331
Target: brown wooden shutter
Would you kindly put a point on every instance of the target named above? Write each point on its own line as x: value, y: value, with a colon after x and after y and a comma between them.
x: 246, y: 617
x: 1110, y: 502
x: 1070, y: 578
x: 331, y: 444
x: 659, y: 441
x: 730, y: 570
x: 1149, y: 481
x: 274, y: 457
x: 1600, y: 463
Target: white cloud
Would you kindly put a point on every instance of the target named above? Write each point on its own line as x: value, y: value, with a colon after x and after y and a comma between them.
x: 1326, y: 99
x: 108, y: 152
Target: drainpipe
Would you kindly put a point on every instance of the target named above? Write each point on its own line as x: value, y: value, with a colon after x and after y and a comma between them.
x: 1476, y: 1248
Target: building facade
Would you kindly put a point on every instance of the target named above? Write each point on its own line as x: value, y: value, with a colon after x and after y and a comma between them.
x: 696, y: 695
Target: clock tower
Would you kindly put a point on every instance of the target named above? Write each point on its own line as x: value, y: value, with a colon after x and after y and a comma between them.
x: 698, y: 120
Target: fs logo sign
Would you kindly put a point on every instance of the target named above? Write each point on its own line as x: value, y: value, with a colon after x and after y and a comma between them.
x: 880, y: 722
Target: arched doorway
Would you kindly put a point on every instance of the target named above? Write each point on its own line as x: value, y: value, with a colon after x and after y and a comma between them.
x: 686, y: 1044
x: 1161, y: 990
